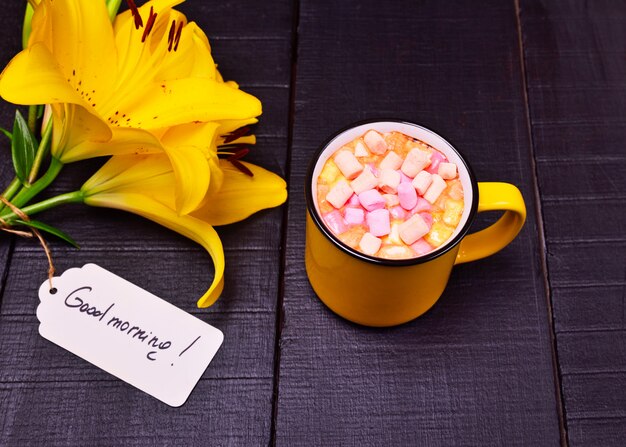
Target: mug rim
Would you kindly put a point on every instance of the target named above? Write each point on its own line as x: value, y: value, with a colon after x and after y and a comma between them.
x: 317, y: 219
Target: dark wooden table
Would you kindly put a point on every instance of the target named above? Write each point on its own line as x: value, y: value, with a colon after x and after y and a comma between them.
x: 526, y: 348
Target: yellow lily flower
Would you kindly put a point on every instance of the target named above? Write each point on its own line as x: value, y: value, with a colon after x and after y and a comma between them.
x: 143, y: 185
x: 117, y: 89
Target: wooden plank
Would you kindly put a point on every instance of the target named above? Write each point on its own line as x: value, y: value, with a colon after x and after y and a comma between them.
x: 477, y: 367
x: 575, y: 70
x: 218, y: 412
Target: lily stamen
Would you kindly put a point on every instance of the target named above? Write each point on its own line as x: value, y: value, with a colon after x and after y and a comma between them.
x: 239, y: 154
x: 239, y: 165
x: 149, y: 24
x: 170, y: 38
x: 178, y: 34
x: 236, y: 134
x: 135, y: 12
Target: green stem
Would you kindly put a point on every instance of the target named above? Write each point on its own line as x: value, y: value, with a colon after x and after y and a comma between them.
x: 32, y: 118
x: 11, y: 190
x: 70, y: 197
x: 42, y: 151
x: 30, y: 191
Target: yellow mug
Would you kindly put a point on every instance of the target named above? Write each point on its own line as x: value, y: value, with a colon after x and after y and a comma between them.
x: 383, y: 292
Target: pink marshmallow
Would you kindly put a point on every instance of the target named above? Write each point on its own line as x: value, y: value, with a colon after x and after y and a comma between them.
x: 348, y: 164
x: 369, y: 244
x: 339, y: 194
x: 375, y: 142
x: 354, y: 200
x: 372, y: 200
x: 435, y: 189
x: 388, y: 180
x: 404, y: 178
x: 378, y: 222
x: 415, y: 161
x: 407, y: 196
x: 391, y: 161
x: 354, y: 216
x: 367, y: 180
x: 334, y: 221
x: 373, y: 168
x: 421, y: 247
x: 435, y: 158
x: 391, y: 199
x: 422, y: 205
x: 413, y: 229
x: 397, y: 212
x: 422, y: 181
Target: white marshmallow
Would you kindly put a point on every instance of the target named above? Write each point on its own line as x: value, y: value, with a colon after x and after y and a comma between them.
x: 375, y: 142
x: 422, y: 181
x: 367, y: 180
x: 447, y: 170
x: 339, y: 194
x: 415, y: 161
x: 370, y: 244
x: 360, y: 150
x: 388, y: 180
x: 391, y: 161
x: 435, y: 189
x: 413, y: 229
x: 348, y: 164
x: 391, y: 200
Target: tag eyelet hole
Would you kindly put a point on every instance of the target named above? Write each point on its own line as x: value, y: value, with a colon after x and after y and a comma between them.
x: 53, y: 291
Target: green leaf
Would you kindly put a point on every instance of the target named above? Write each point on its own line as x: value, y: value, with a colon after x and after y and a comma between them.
x: 40, y: 111
x: 8, y: 134
x: 23, y: 148
x: 48, y: 229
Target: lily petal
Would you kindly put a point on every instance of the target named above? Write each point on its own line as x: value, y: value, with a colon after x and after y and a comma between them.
x: 242, y: 195
x: 33, y: 77
x: 190, y: 227
x: 192, y: 173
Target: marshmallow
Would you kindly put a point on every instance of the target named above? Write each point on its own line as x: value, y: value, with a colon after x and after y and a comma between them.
x: 371, y: 200
x: 435, y: 189
x: 378, y: 222
x: 369, y: 244
x: 360, y: 150
x: 335, y: 222
x: 447, y: 170
x: 348, y: 164
x: 397, y: 212
x: 391, y: 199
x: 422, y: 181
x: 391, y: 161
x: 388, y: 180
x: 421, y: 247
x: 428, y: 218
x: 354, y: 216
x: 367, y: 180
x: 354, y: 200
x: 413, y: 229
x: 339, y: 194
x: 422, y: 205
x: 375, y: 142
x: 415, y: 161
x: 435, y: 158
x: 407, y: 196
x: 404, y: 178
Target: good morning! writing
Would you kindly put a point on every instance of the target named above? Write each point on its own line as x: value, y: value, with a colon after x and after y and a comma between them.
x: 77, y: 299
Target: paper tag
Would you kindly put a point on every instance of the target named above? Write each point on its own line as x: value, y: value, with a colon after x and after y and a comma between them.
x: 127, y: 331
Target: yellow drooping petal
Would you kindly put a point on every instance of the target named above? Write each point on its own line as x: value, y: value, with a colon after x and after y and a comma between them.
x: 242, y: 195
x: 33, y: 77
x: 188, y: 226
x: 192, y: 173
x: 187, y: 100
x: 80, y: 35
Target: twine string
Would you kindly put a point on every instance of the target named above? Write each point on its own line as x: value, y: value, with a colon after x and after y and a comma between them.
x: 4, y: 226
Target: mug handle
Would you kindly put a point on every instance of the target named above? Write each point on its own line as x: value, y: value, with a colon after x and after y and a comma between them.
x: 494, y: 196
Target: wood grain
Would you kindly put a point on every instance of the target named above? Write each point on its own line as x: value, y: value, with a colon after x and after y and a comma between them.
x: 575, y: 70
x: 476, y: 369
